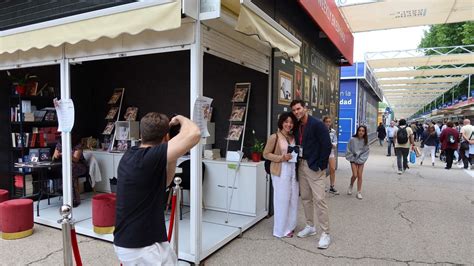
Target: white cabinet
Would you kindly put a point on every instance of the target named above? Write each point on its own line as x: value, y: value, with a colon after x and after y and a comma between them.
x: 249, y: 191
x: 108, y: 164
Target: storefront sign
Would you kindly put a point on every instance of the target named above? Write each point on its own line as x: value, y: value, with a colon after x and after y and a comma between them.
x: 209, y: 9
x: 347, y: 97
x: 329, y: 19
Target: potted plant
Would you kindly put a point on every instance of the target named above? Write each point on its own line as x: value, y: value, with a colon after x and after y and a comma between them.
x: 257, y: 148
x: 20, y: 82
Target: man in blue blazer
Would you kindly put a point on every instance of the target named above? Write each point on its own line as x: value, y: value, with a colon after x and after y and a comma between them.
x: 315, y: 147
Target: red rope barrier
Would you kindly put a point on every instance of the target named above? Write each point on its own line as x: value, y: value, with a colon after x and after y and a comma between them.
x: 173, y: 209
x: 75, y: 247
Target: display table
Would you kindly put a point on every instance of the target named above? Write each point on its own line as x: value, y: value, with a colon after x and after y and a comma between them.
x: 250, y: 191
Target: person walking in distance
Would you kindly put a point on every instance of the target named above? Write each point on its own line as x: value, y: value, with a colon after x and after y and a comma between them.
x: 467, y: 135
x: 144, y: 172
x: 449, y: 139
x: 390, y: 136
x: 357, y: 154
x: 279, y: 149
x: 315, y: 147
x: 332, y: 157
x: 404, y: 139
x: 429, y: 139
x: 381, y: 133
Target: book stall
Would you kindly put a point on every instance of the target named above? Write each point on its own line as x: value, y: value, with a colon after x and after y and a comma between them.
x: 210, y: 69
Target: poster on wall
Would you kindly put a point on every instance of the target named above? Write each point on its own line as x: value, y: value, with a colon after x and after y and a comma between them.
x: 307, y: 85
x: 285, y: 82
x: 321, y: 97
x: 298, y: 84
x: 314, y: 89
x: 305, y: 54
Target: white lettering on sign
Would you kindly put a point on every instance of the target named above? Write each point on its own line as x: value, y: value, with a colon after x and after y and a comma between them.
x: 411, y: 13
x: 332, y: 19
x: 345, y: 102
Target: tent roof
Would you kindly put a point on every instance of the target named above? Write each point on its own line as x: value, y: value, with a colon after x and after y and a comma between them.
x: 390, y: 14
x: 411, y: 79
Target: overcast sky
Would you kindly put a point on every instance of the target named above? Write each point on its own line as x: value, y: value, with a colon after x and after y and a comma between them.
x: 386, y: 40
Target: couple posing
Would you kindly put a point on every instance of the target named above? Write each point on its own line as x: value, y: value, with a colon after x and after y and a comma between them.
x: 307, y: 138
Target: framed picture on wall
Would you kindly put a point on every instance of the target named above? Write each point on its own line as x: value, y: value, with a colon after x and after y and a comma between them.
x: 321, y: 93
x: 234, y: 132
x: 240, y: 94
x: 314, y: 89
x: 131, y: 113
x: 237, y: 114
x: 305, y: 54
x: 285, y: 92
x: 298, y: 83
x: 307, y: 86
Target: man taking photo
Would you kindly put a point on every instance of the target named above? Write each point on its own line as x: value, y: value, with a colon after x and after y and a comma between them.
x: 144, y: 172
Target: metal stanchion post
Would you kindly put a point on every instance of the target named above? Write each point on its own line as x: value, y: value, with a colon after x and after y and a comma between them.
x: 177, y: 189
x: 66, y: 224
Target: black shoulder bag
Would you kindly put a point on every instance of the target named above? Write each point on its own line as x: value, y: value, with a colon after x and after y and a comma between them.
x: 268, y: 162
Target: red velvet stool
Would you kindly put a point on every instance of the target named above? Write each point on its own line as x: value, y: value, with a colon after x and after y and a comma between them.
x: 103, y: 213
x: 16, y: 218
x: 3, y: 197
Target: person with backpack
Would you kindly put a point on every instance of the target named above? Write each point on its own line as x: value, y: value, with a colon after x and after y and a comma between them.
x: 282, y: 152
x: 404, y: 140
x: 449, y: 139
x: 429, y: 139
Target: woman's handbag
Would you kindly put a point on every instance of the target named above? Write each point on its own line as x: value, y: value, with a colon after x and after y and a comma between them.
x: 268, y: 162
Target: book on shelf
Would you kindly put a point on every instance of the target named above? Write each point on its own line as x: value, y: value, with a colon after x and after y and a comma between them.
x: 28, y: 117
x: 44, y: 155
x: 39, y: 115
x: 33, y: 156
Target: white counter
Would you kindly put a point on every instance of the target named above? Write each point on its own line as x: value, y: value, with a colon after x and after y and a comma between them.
x: 250, y: 191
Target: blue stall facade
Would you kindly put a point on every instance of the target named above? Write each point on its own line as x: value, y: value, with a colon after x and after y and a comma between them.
x: 358, y: 103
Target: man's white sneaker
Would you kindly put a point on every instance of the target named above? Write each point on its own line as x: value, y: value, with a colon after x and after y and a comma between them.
x: 324, y: 241
x: 349, y: 190
x: 307, y: 231
x: 359, y: 195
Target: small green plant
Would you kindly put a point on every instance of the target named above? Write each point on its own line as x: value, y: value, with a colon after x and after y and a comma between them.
x: 21, y: 81
x: 258, y: 145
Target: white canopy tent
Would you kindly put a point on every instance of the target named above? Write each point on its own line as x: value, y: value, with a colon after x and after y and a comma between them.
x: 390, y: 14
x: 411, y: 79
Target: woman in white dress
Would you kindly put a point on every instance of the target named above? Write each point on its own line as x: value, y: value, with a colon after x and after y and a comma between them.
x: 280, y: 149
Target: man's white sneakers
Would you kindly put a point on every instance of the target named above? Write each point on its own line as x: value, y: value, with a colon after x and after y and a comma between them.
x: 324, y: 241
x: 307, y: 231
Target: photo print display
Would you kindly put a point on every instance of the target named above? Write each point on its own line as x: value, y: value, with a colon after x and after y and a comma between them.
x: 108, y: 128
x: 115, y: 97
x: 240, y: 93
x: 307, y: 86
x: 314, y: 89
x: 237, y: 114
x: 298, y: 84
x: 112, y: 112
x: 131, y: 114
x: 234, y: 132
x: 285, y: 82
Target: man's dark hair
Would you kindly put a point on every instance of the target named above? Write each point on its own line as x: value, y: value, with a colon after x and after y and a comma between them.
x: 153, y: 127
x: 450, y: 124
x: 402, y: 122
x: 285, y: 116
x: 295, y: 102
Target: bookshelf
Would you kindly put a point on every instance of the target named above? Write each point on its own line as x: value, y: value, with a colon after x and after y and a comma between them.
x: 33, y: 136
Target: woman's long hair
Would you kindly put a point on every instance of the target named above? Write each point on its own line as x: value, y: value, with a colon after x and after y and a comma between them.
x: 366, y: 137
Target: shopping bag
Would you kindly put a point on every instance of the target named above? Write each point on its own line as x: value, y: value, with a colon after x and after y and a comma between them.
x: 412, y: 157
x: 418, y: 151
